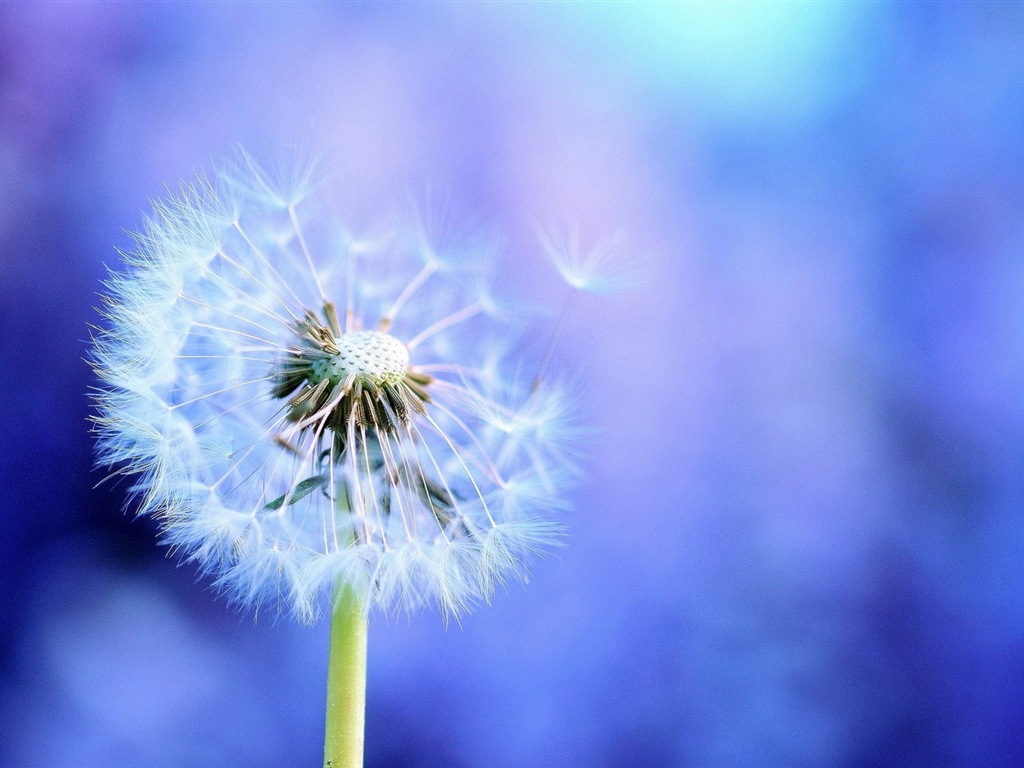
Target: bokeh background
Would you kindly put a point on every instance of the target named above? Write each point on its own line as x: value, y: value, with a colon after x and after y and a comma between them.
x: 801, y: 541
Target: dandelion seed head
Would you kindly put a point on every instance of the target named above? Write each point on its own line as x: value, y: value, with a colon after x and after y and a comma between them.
x: 301, y: 404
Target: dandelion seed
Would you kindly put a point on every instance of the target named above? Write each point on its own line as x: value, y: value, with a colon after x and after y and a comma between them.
x: 604, y: 269
x: 287, y: 442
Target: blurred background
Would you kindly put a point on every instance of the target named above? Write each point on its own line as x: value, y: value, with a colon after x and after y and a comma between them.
x: 801, y: 541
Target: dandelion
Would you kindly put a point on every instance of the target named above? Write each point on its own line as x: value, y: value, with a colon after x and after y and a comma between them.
x: 321, y: 418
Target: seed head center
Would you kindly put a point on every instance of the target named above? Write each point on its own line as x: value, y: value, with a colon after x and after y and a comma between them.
x: 373, y: 357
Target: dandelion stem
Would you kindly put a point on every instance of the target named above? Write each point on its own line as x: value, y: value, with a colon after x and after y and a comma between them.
x: 346, y: 681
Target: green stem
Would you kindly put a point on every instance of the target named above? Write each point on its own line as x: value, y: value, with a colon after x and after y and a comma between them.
x: 346, y: 682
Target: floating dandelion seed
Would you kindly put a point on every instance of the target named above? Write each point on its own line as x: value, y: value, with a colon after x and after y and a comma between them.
x: 301, y: 409
x: 605, y: 268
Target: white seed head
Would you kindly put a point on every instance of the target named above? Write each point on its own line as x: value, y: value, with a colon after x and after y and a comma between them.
x: 289, y: 445
x: 373, y: 357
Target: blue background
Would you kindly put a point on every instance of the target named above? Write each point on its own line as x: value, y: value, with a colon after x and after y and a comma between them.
x: 800, y: 543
